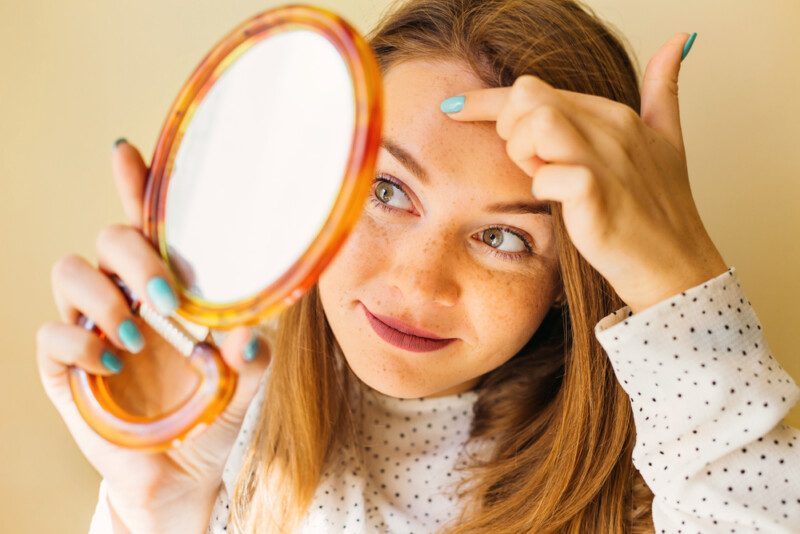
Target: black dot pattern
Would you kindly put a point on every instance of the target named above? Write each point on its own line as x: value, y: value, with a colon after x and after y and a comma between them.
x: 403, y: 477
x: 708, y: 399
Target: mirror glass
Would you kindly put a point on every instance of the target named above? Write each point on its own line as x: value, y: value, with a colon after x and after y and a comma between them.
x: 259, y: 166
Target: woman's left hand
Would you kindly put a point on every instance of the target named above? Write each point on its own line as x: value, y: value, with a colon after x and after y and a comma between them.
x: 621, y: 178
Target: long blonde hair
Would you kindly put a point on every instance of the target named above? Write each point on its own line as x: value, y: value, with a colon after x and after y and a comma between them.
x: 562, y: 425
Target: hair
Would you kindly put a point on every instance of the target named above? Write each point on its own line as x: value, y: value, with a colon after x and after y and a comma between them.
x: 562, y: 425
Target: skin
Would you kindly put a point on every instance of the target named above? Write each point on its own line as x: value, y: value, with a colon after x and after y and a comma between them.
x: 426, y: 263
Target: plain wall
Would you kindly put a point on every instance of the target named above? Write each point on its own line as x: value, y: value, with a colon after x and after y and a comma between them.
x: 79, y: 74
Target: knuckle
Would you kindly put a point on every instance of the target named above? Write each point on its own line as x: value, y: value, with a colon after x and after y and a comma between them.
x: 526, y: 83
x: 510, y: 151
x: 626, y: 116
x: 109, y: 234
x: 586, y: 182
x: 500, y: 128
x: 65, y: 267
x: 523, y: 89
x: 547, y: 116
x: 43, y: 333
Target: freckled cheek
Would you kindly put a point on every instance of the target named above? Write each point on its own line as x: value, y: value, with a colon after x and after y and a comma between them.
x: 361, y: 253
x: 510, y: 307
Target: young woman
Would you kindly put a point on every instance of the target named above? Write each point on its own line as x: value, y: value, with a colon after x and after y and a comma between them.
x: 529, y: 330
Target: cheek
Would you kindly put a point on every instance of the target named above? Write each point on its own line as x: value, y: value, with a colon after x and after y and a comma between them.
x: 509, y: 308
x: 359, y: 257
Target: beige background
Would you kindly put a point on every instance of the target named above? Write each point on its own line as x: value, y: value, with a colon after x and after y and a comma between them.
x: 76, y: 75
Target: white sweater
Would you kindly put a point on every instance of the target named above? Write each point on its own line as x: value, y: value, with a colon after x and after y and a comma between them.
x: 708, y: 400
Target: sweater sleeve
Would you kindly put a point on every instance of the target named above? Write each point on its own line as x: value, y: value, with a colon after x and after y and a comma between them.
x: 708, y: 400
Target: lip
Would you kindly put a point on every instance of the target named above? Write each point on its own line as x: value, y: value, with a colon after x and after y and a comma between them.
x: 409, y: 338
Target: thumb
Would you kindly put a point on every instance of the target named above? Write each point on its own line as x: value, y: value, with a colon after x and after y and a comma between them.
x: 246, y: 352
x: 659, y: 97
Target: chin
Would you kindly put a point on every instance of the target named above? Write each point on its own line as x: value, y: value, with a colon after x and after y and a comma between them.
x: 391, y: 383
x: 400, y: 391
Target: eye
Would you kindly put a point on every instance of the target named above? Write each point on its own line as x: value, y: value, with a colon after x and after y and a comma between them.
x: 520, y: 246
x: 385, y: 191
x: 516, y: 245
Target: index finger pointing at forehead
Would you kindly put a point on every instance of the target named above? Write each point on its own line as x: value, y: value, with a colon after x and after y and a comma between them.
x: 477, y: 105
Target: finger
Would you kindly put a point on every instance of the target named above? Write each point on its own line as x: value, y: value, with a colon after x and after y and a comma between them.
x: 506, y: 105
x: 60, y: 345
x: 567, y: 184
x: 125, y: 251
x: 478, y: 105
x: 546, y: 135
x: 660, y: 108
x: 84, y: 289
x: 249, y: 354
x: 486, y: 105
x: 130, y: 176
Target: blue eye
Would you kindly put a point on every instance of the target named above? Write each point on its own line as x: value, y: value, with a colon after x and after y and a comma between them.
x: 383, y: 192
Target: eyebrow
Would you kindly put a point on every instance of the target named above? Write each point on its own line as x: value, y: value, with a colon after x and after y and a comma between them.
x: 408, y: 161
x: 522, y: 207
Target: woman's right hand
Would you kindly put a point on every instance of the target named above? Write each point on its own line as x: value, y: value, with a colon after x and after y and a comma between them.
x: 171, y: 490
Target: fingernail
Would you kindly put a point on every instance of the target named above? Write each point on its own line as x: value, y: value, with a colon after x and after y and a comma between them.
x: 162, y: 295
x: 251, y: 349
x: 130, y: 336
x: 688, y: 45
x: 120, y: 141
x: 453, y: 104
x: 111, y: 362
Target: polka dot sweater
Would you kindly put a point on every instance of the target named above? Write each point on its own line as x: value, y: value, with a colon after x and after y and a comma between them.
x: 708, y: 399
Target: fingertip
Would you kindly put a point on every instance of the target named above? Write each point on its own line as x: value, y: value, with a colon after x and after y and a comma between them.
x: 250, y: 350
x: 451, y: 105
x: 111, y: 363
x: 688, y: 45
x: 234, y: 344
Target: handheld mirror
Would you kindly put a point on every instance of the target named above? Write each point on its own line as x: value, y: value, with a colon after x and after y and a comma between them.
x: 261, y: 170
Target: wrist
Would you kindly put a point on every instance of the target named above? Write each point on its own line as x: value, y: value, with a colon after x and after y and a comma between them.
x: 190, y: 513
x: 687, y: 279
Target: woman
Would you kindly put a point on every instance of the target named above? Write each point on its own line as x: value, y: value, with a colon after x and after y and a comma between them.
x: 520, y: 204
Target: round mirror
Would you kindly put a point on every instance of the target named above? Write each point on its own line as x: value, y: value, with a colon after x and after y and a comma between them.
x: 261, y: 170
x: 259, y: 167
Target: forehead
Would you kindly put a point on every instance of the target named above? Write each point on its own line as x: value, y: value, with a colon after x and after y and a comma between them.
x: 470, y: 152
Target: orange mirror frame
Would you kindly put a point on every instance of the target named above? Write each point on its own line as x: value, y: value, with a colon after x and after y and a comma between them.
x: 217, y: 383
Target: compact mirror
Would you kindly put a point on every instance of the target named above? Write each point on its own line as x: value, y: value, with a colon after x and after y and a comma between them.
x: 261, y: 170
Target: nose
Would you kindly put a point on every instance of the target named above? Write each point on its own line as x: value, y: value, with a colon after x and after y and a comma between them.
x: 423, y: 268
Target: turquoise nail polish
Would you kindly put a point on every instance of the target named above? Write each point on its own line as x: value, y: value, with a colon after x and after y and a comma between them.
x: 111, y: 362
x: 120, y: 141
x: 453, y: 104
x: 688, y: 45
x: 162, y: 295
x: 251, y: 349
x: 130, y: 336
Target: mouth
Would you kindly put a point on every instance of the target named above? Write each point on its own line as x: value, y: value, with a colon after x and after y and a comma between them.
x: 404, y: 339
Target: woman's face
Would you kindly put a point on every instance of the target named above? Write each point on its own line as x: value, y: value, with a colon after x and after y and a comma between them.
x: 430, y: 253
